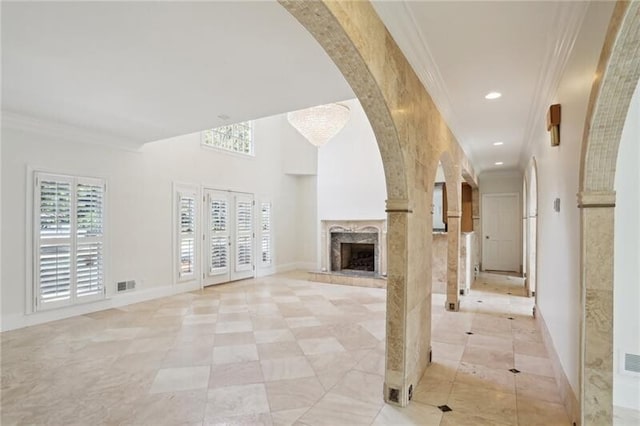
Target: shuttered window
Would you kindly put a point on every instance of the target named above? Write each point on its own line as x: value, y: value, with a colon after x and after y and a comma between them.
x: 69, y: 240
x: 186, y: 247
x: 265, y: 232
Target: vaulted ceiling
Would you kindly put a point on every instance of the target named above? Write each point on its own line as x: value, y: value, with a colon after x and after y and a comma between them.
x: 144, y: 71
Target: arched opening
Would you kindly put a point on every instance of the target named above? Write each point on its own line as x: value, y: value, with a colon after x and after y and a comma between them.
x: 626, y: 291
x: 618, y: 74
x: 447, y: 221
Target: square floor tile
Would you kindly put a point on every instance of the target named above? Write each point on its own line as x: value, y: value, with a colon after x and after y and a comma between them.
x: 234, y: 326
x: 180, y: 379
x: 278, y: 350
x: 271, y: 336
x: 234, y: 354
x: 242, y: 373
x: 235, y: 401
x: 286, y: 368
x: 321, y: 345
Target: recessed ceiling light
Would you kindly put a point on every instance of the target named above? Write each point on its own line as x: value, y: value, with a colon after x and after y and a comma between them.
x: 498, y: 143
x: 493, y: 95
x: 498, y: 163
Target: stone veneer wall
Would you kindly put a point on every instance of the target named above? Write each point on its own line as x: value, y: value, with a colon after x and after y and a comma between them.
x: 411, y: 135
x: 617, y: 76
x: 439, y: 263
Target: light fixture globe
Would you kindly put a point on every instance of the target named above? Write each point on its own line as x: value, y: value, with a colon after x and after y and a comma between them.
x: 320, y: 123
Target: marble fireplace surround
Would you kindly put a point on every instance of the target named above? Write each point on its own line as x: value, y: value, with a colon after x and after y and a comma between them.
x: 350, y: 230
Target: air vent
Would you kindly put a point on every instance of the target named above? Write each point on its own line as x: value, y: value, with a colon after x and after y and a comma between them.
x: 632, y: 363
x: 126, y: 285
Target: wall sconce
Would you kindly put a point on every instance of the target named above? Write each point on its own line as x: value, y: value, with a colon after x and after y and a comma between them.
x: 553, y: 124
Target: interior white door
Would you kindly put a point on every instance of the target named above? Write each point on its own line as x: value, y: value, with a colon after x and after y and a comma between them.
x: 228, y: 236
x: 500, y: 232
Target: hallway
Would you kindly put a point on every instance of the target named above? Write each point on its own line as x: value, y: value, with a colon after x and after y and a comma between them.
x: 278, y: 350
x: 473, y: 351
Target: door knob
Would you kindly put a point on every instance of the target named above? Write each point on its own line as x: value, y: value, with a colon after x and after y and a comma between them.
x: 487, y: 237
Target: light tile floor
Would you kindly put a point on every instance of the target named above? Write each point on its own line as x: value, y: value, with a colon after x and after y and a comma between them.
x: 278, y: 351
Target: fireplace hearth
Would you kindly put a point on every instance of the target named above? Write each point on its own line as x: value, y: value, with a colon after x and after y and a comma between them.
x: 354, y: 247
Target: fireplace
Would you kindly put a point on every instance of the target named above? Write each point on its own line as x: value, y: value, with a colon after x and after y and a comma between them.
x: 354, y: 247
x: 357, y: 257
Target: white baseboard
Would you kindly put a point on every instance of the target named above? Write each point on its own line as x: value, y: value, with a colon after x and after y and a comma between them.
x: 15, y: 321
x: 567, y: 393
x: 307, y: 266
x: 295, y: 266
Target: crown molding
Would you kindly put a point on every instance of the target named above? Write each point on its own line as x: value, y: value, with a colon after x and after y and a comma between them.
x: 400, y: 19
x: 567, y: 20
x: 30, y: 124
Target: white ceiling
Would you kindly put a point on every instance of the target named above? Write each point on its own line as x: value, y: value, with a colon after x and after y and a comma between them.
x: 463, y: 50
x: 144, y: 71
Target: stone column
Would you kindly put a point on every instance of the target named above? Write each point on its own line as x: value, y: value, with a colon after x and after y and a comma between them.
x: 597, y: 211
x: 453, y: 260
x: 398, y: 212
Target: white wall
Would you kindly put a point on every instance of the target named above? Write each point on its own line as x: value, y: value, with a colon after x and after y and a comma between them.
x: 501, y: 182
x: 626, y: 320
x: 139, y: 210
x: 558, y: 281
x: 351, y: 182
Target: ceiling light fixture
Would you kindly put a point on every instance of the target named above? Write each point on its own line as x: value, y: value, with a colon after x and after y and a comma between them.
x: 493, y: 95
x: 320, y: 123
x: 498, y: 143
x: 498, y: 163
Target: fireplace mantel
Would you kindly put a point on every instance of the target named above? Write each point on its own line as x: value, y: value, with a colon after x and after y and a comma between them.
x: 354, y: 226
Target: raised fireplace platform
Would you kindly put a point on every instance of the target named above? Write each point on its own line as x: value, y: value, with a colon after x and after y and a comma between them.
x: 353, y: 252
x: 354, y: 278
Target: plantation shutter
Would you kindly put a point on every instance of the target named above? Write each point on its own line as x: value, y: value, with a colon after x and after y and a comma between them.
x: 244, y: 233
x: 90, y: 237
x: 69, y: 240
x: 218, y: 235
x: 265, y: 232
x: 54, y: 242
x: 187, y: 232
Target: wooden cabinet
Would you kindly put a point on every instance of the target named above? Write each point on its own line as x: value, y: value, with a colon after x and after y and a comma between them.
x: 467, y: 208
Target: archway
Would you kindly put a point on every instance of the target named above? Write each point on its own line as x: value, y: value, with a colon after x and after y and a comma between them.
x: 411, y: 134
x: 626, y: 318
x: 453, y: 214
x: 617, y: 77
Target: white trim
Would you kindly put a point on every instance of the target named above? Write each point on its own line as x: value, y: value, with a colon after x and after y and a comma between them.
x: 12, y: 322
x: 70, y: 133
x: 33, y: 302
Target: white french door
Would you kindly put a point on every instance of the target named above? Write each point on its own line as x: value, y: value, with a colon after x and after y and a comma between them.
x: 229, y: 237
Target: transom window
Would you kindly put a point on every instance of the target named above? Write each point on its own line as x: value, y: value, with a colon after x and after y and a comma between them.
x: 236, y: 137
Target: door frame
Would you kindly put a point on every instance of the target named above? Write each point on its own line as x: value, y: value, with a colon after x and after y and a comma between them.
x: 232, y: 222
x: 518, y: 233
